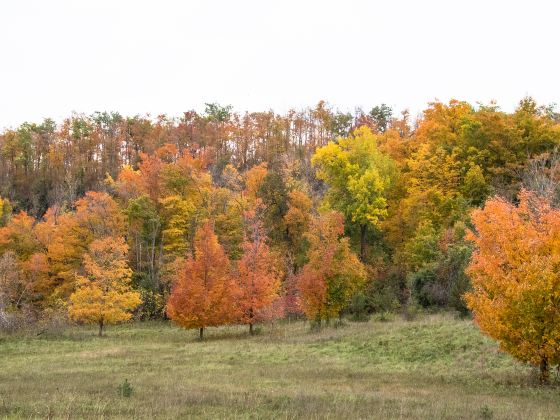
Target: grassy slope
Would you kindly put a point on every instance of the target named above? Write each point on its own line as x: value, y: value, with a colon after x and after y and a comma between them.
x: 434, y: 367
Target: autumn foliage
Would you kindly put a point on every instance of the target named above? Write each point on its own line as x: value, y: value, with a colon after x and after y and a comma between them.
x: 204, y: 294
x: 515, y: 274
x: 333, y: 272
x: 258, y: 280
x: 103, y: 294
x: 226, y: 218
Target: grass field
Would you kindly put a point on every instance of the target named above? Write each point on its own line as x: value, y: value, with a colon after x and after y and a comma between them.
x: 434, y: 367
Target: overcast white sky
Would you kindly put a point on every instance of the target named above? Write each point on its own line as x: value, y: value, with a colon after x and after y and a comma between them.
x: 169, y: 56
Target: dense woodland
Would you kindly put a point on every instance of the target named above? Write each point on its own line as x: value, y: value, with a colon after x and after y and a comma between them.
x: 245, y: 218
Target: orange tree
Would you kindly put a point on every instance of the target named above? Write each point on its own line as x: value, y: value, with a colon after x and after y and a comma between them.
x: 515, y: 274
x: 258, y: 279
x: 204, y: 294
x: 333, y: 272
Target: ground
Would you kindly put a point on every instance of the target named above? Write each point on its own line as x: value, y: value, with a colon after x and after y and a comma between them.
x: 437, y: 366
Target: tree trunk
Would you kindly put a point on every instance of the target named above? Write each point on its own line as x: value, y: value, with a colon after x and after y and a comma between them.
x: 201, y: 333
x: 251, y: 311
x: 100, y: 328
x: 544, y: 373
x: 362, y: 241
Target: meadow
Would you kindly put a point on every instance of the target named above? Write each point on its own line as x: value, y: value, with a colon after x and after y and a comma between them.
x: 436, y: 366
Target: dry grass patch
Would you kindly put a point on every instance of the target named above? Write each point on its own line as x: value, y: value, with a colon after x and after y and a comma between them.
x: 434, y: 367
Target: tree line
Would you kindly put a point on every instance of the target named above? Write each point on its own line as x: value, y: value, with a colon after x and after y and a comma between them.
x: 245, y: 218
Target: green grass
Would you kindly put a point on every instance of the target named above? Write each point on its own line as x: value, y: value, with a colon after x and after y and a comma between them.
x: 433, y: 367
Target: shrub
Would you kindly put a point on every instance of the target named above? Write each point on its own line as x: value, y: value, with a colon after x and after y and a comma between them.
x: 53, y: 323
x: 409, y: 312
x: 384, y: 294
x: 358, y: 308
x: 14, y: 320
x: 125, y: 389
x: 426, y: 287
x: 486, y: 412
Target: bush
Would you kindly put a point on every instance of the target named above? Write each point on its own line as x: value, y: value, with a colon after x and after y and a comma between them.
x: 486, y: 412
x: 443, y: 283
x: 53, y: 322
x: 8, y: 323
x: 452, y: 270
x: 410, y: 312
x: 426, y: 288
x: 15, y: 320
x: 152, y: 306
x: 384, y: 316
x: 315, y: 326
x: 153, y: 299
x: 458, y: 290
x: 384, y: 294
x: 257, y: 329
x: 438, y: 278
x: 358, y: 308
x: 125, y: 389
x: 27, y: 320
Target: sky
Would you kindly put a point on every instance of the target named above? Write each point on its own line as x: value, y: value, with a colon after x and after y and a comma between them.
x: 166, y: 56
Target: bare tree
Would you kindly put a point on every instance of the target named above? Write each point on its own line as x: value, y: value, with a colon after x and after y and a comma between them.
x: 542, y: 176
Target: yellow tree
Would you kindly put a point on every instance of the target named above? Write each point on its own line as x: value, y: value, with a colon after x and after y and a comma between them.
x: 254, y: 179
x: 359, y: 177
x: 104, y: 295
x: 515, y: 274
x: 5, y: 211
x: 67, y: 236
x: 297, y: 220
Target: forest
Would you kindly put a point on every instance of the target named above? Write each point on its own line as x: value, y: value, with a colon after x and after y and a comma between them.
x: 226, y: 218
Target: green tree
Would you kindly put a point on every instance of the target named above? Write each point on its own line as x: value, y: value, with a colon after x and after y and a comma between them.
x: 475, y: 189
x: 381, y: 115
x: 359, y: 177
